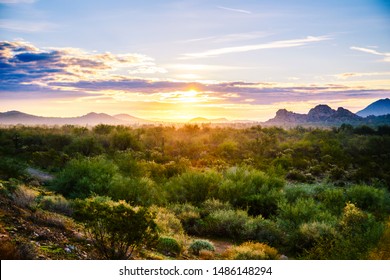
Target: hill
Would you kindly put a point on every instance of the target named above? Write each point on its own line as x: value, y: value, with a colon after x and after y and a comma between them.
x: 377, y: 108
x: 323, y: 115
x: 90, y: 119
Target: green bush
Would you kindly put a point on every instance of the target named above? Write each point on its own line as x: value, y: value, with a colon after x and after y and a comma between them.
x: 84, y: 177
x: 168, y: 246
x: 167, y: 222
x: 115, y: 227
x: 199, y: 244
x: 137, y: 191
x: 212, y: 205
x: 226, y: 223
x: 264, y: 231
x: 357, y: 233
x: 189, y: 216
x: 249, y: 188
x: 333, y: 199
x: 194, y: 187
x: 11, y: 168
x: 370, y: 199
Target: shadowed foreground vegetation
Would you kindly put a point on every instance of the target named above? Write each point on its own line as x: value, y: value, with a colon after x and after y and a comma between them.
x: 164, y: 192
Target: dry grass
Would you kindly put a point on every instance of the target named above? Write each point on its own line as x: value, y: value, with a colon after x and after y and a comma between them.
x: 251, y: 251
x: 25, y: 196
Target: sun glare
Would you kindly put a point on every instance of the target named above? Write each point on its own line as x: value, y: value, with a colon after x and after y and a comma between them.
x: 190, y: 96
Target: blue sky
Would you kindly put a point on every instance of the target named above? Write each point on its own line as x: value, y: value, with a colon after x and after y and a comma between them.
x: 183, y: 59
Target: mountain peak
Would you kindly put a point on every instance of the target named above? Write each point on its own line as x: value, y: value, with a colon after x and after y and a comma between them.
x: 377, y: 108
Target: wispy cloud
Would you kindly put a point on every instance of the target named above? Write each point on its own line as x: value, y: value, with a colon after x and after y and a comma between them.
x: 16, y: 1
x: 385, y: 55
x: 234, y: 37
x: 27, y: 26
x: 234, y: 10
x: 247, y: 48
x: 348, y: 75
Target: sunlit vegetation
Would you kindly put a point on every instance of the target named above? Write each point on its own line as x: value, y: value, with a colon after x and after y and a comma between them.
x: 174, y: 192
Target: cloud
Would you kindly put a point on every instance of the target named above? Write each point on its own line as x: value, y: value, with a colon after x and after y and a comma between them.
x: 23, y: 64
x: 234, y: 10
x: 27, y: 26
x: 247, y: 48
x: 386, y: 56
x: 28, y: 72
x: 233, y: 37
x: 16, y: 1
x: 361, y: 74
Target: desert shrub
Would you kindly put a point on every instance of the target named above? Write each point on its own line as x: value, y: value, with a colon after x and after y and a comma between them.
x: 168, y: 246
x: 87, y: 146
x: 370, y: 199
x: 199, y: 244
x: 127, y: 164
x: 298, y: 176
x: 333, y: 199
x: 357, y: 234
x: 191, y: 186
x: 167, y: 223
x: 301, y: 211
x: 212, y: 205
x: 263, y: 230
x: 56, y: 203
x: 48, y: 219
x: 382, y: 250
x: 251, y: 251
x: 11, y: 168
x: 116, y: 228
x: 189, y: 216
x: 311, y: 233
x: 291, y: 216
x: 264, y: 203
x: 123, y: 140
x: 245, y: 188
x: 294, y: 191
x: 25, y: 197
x: 136, y: 191
x: 206, y: 255
x: 83, y: 177
x: 226, y: 223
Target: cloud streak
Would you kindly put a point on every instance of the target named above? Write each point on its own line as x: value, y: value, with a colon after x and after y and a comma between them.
x: 234, y: 10
x: 247, y: 48
x: 385, y: 55
x: 27, y: 26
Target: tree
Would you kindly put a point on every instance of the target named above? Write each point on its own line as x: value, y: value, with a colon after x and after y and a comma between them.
x: 116, y: 228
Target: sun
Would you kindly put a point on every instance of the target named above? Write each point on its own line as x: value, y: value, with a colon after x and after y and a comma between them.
x: 189, y: 96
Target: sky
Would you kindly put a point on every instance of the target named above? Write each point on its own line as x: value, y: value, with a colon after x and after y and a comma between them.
x: 177, y: 60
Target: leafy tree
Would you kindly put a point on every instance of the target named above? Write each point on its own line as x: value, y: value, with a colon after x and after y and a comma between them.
x: 116, y: 228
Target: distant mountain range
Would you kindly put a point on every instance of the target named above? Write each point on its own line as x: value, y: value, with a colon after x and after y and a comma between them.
x: 323, y: 115
x: 377, y: 113
x: 91, y: 119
